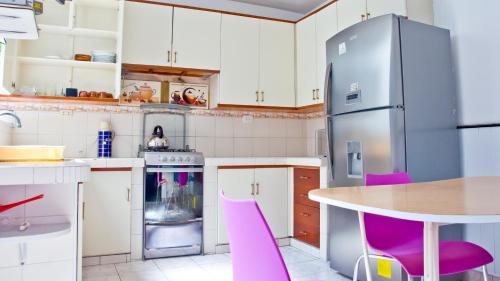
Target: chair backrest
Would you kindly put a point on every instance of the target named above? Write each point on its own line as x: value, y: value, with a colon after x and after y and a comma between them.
x: 383, y: 232
x: 254, y: 252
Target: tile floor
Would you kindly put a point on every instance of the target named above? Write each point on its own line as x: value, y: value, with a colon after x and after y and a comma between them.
x: 301, y: 266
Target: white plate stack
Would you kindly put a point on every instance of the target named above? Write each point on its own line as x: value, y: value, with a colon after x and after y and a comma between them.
x: 103, y: 56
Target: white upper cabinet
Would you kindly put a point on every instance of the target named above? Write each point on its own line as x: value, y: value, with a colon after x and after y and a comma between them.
x: 147, y: 34
x: 306, y: 61
x: 326, y: 28
x: 277, y: 64
x: 350, y: 12
x: 239, y: 77
x: 196, y: 39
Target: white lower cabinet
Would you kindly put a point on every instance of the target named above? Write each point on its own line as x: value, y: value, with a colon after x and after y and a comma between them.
x: 54, y: 271
x: 107, y: 213
x: 12, y: 273
x: 268, y: 186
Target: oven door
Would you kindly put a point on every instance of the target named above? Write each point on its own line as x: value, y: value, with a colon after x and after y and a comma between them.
x: 173, y: 194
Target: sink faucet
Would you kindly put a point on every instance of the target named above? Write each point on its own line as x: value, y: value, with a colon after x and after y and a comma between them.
x: 13, y: 115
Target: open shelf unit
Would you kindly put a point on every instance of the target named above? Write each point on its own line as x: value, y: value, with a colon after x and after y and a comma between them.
x: 11, y: 233
x: 78, y: 27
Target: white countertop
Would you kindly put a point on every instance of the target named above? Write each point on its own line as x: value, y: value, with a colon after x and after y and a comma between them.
x: 254, y: 161
x: 26, y: 173
x: 114, y: 162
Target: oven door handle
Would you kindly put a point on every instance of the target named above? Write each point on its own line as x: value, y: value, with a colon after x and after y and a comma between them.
x: 174, y: 170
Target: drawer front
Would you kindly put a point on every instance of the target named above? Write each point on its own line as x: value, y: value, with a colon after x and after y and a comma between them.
x: 305, y: 180
x: 306, y: 233
x: 306, y: 215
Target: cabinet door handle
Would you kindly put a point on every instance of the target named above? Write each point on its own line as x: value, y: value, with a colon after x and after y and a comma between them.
x: 262, y: 96
x: 257, y: 94
x: 304, y: 233
x: 83, y: 211
x: 314, y: 94
x: 253, y: 189
x: 304, y: 178
x: 317, y: 94
x: 129, y: 193
x: 168, y: 56
x: 258, y: 188
x: 305, y: 214
x: 303, y: 195
x: 175, y: 57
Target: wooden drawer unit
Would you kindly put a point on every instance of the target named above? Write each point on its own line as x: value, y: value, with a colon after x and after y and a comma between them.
x: 305, y: 180
x: 306, y: 233
x: 306, y: 215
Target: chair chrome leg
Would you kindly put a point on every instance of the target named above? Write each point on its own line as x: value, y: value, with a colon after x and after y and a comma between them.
x: 356, y: 268
x: 485, y: 273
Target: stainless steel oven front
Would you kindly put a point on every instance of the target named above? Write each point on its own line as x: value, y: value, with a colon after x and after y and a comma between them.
x: 173, y: 210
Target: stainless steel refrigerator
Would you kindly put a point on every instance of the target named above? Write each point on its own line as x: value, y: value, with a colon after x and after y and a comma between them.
x: 390, y: 106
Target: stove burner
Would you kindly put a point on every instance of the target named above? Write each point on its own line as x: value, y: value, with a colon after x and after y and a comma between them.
x: 167, y: 149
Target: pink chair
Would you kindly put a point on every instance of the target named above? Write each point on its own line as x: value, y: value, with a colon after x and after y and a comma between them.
x: 254, y: 252
x: 402, y: 240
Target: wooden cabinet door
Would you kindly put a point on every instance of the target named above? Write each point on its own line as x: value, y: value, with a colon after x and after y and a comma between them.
x: 239, y: 77
x: 107, y: 212
x: 350, y: 12
x: 277, y: 64
x: 326, y: 28
x: 377, y: 8
x: 147, y: 34
x: 236, y: 184
x: 306, y: 61
x: 196, y: 39
x: 272, y: 197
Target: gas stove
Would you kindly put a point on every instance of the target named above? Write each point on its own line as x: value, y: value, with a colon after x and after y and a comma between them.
x: 173, y: 157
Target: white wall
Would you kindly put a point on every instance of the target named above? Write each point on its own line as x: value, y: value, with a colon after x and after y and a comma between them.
x: 237, y: 7
x: 5, y: 133
x: 475, y: 35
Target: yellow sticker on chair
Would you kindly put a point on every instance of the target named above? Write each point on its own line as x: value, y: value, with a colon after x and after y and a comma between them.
x: 384, y: 268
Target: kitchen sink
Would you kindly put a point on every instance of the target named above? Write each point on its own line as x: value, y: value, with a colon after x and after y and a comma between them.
x: 31, y: 153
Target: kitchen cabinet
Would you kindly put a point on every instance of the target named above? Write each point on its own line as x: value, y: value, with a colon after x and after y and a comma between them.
x: 268, y: 186
x: 354, y: 11
x: 165, y: 36
x: 312, y: 34
x: 277, y: 64
x: 239, y: 77
x: 107, y: 213
x: 196, y: 39
x: 257, y: 62
x: 147, y: 34
x: 306, y: 213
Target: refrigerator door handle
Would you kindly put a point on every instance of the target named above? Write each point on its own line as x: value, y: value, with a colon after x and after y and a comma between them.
x: 328, y: 83
x: 329, y: 151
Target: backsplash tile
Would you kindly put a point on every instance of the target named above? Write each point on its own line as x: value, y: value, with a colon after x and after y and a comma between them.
x: 216, y: 133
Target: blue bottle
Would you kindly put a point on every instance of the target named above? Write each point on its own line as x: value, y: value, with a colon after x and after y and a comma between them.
x: 104, y: 141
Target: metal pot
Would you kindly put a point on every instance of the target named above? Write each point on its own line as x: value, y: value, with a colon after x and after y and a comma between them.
x: 157, y: 140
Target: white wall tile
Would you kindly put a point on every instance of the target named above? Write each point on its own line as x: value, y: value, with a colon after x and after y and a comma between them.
x: 122, y: 147
x: 205, y: 126
x: 137, y: 197
x: 295, y: 147
x: 260, y: 147
x: 295, y: 128
x: 29, y: 120
x: 94, y: 122
x: 137, y: 119
x: 224, y: 147
x: 277, y: 147
x: 242, y: 129
x: 136, y: 247
x: 243, y: 147
x: 260, y: 128
x: 122, y: 124
x: 277, y: 128
x: 24, y: 139
x: 136, y: 222
x: 224, y: 127
x: 91, y: 146
x: 206, y: 145
x: 49, y: 122
x: 76, y: 146
x: 53, y: 139
x: 75, y: 124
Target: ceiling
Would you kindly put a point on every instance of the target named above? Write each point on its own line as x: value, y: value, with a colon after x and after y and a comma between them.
x: 298, y: 6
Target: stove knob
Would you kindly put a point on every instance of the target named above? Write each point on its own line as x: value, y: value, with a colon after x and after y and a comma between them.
x: 164, y: 159
x: 172, y: 159
x: 187, y: 159
x: 179, y: 159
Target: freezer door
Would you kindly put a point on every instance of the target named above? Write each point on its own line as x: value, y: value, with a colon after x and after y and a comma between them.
x: 367, y: 142
x: 366, y: 66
